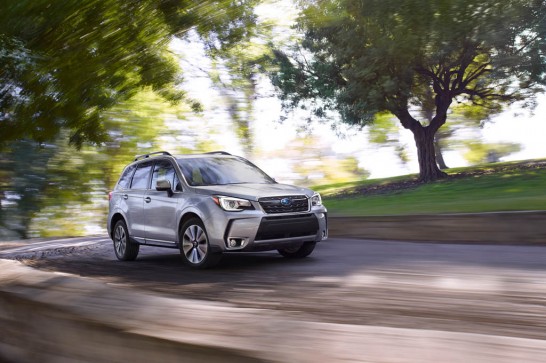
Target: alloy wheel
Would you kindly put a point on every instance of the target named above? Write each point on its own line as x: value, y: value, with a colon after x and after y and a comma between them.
x: 195, y: 244
x: 120, y: 240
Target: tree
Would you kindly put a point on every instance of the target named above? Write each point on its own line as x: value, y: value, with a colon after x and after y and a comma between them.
x: 23, y: 180
x: 70, y: 73
x: 361, y: 57
x: 54, y: 190
x: 63, y: 63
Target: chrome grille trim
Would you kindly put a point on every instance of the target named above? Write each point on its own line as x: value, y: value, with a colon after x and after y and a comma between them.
x: 285, y: 204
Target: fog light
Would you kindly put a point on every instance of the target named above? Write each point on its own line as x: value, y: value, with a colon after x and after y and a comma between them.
x: 320, y: 215
x: 232, y: 243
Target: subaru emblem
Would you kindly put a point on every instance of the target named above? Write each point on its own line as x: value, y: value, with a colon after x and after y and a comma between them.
x: 286, y: 202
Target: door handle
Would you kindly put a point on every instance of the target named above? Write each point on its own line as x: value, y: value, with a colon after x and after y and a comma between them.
x: 147, y: 199
x: 125, y: 196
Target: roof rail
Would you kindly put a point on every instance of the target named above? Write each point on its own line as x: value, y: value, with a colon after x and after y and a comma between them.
x: 145, y: 156
x: 218, y: 153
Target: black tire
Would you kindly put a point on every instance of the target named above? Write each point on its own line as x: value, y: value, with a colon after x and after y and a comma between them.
x: 303, y: 251
x: 125, y: 249
x: 194, y: 245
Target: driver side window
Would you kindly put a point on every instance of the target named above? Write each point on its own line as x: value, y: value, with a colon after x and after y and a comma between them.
x: 164, y: 170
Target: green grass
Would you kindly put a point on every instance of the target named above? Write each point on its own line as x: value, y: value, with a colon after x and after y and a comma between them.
x: 498, y: 187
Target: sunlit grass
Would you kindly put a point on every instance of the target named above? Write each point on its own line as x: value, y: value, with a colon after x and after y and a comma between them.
x: 499, y: 187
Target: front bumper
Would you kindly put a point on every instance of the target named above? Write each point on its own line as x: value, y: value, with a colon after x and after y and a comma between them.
x: 258, y: 231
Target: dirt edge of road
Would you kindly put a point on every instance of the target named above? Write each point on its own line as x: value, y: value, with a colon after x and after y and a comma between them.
x: 60, y: 317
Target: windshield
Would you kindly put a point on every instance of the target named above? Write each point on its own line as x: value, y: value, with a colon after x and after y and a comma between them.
x: 221, y: 171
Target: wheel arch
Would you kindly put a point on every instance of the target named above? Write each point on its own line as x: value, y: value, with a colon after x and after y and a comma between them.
x: 115, y: 218
x: 186, y: 217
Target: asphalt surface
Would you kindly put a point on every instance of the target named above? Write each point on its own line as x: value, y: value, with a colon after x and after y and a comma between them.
x: 486, y: 289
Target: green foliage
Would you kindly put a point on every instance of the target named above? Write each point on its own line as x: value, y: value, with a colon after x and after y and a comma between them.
x: 480, y: 153
x: 64, y: 63
x: 361, y: 57
x: 89, y: 72
x: 85, y: 57
x: 383, y: 129
x: 312, y: 161
x: 54, y: 190
x: 385, y: 132
x: 24, y: 170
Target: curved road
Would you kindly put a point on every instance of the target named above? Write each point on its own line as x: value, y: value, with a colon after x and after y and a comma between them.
x: 487, y: 289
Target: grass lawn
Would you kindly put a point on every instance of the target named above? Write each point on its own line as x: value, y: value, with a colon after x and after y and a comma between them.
x: 494, y: 187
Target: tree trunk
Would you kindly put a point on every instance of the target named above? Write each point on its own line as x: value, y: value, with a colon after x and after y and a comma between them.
x: 428, y: 169
x: 439, y: 155
x: 424, y: 137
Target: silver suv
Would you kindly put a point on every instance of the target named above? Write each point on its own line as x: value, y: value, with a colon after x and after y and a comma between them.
x: 211, y: 203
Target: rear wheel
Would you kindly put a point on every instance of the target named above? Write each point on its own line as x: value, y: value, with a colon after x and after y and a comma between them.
x: 298, y: 252
x: 194, y: 245
x: 123, y: 247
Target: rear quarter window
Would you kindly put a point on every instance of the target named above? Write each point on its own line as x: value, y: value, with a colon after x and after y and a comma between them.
x: 125, y: 180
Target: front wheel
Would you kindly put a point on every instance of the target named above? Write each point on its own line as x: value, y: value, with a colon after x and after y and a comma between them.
x: 298, y: 252
x: 123, y: 247
x: 194, y: 245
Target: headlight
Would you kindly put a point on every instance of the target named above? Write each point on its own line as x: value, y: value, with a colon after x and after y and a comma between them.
x: 231, y: 204
x: 316, y: 200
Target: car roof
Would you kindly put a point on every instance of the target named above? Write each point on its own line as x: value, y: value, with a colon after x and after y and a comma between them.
x: 158, y: 154
x: 205, y: 155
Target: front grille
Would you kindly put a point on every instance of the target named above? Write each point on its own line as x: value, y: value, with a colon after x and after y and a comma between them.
x: 287, y: 204
x: 287, y: 227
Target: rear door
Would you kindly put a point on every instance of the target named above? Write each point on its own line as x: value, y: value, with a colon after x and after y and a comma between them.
x: 134, y: 197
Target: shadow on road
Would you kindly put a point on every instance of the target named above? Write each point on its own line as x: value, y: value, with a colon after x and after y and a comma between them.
x: 467, y: 288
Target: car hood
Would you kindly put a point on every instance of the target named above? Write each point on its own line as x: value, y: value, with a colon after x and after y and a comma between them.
x: 253, y: 191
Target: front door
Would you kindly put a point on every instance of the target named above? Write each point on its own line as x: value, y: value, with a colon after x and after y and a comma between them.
x: 160, y: 207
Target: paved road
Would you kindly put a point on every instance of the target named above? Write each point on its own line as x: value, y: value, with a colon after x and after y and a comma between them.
x: 498, y: 290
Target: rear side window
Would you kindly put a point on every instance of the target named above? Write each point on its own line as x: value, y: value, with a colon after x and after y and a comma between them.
x: 125, y: 180
x: 141, y: 177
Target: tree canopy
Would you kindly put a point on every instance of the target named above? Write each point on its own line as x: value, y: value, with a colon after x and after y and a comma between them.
x: 81, y: 72
x: 63, y: 63
x: 361, y: 57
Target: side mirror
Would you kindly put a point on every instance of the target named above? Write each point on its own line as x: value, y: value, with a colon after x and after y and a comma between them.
x: 164, y: 186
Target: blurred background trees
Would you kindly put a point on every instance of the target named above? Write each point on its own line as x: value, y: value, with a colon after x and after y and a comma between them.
x: 64, y: 63
x: 85, y: 85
